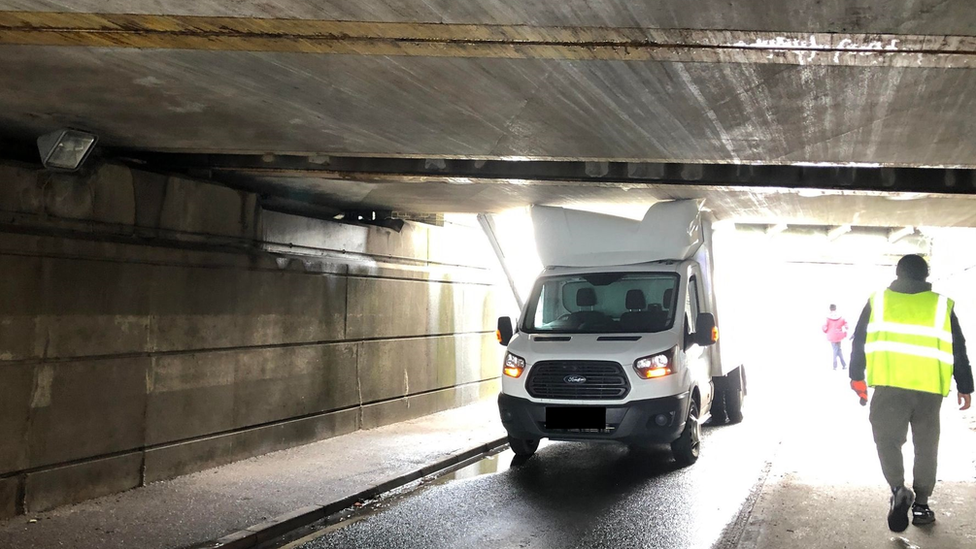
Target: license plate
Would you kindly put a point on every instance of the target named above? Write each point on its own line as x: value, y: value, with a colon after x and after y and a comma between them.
x: 576, y: 417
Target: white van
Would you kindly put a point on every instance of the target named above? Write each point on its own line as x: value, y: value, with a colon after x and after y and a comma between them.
x: 618, y: 340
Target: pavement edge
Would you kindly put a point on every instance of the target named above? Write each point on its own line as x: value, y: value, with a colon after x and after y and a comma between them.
x: 282, y: 524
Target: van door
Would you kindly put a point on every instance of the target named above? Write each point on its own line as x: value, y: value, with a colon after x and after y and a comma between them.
x: 696, y: 355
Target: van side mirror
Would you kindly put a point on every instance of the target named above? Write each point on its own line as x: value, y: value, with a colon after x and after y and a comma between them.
x: 505, y: 330
x: 706, y: 332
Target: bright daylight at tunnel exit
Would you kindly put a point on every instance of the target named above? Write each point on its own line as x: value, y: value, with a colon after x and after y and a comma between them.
x: 301, y: 274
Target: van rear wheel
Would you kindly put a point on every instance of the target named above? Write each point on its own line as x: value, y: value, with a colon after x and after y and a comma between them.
x: 734, y: 395
x: 523, y: 447
x: 687, y: 447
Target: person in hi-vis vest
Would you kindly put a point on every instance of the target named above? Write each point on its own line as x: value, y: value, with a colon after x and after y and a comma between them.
x: 909, y: 341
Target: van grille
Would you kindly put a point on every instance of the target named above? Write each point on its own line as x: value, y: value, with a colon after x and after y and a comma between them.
x: 604, y: 380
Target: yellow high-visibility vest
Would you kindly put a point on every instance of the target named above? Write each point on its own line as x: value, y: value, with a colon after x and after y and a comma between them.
x: 909, y: 341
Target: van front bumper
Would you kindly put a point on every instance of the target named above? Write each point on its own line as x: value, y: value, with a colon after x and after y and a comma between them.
x: 635, y: 422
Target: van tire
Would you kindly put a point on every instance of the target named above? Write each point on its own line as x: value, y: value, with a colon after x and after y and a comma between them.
x: 734, y: 395
x: 687, y: 447
x: 523, y: 447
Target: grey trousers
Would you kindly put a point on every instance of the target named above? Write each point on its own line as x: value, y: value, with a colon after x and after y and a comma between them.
x: 892, y: 411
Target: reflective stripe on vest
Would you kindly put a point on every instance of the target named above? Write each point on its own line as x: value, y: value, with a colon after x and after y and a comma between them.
x: 909, y: 341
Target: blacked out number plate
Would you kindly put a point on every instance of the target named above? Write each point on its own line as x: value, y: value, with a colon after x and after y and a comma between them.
x: 576, y: 417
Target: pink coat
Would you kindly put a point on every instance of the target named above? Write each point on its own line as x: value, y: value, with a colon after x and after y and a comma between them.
x: 835, y: 328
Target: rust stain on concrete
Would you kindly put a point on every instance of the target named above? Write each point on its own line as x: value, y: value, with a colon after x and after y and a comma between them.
x: 482, y: 41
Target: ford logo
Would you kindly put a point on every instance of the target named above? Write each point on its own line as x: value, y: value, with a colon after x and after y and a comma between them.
x: 574, y: 379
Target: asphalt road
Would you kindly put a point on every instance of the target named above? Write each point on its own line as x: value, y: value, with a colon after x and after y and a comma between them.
x: 580, y: 495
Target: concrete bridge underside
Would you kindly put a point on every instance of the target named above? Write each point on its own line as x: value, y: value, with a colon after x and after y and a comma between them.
x: 828, y: 83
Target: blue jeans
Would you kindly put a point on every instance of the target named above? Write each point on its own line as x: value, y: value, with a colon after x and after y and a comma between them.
x: 838, y: 353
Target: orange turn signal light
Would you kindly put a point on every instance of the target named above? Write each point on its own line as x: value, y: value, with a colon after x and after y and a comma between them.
x: 498, y: 335
x: 714, y: 334
x: 656, y: 372
x: 512, y: 371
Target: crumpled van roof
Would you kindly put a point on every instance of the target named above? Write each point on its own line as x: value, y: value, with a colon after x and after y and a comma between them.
x: 573, y: 238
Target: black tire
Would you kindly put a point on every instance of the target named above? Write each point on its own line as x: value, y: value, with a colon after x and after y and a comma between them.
x: 522, y: 447
x: 734, y: 395
x: 687, y: 447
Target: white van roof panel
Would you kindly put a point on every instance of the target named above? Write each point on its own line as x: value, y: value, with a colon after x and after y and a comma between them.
x: 573, y: 238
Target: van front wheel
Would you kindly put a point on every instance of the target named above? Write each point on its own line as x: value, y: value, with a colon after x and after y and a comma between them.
x: 523, y: 447
x: 687, y: 447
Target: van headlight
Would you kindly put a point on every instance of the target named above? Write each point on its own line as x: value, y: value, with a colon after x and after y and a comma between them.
x: 655, y: 366
x: 514, y: 365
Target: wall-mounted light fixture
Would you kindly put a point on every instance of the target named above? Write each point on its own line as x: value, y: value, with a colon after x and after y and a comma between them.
x: 65, y: 149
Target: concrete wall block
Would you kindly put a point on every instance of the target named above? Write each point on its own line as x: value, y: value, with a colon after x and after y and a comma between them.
x: 456, y: 360
x: 189, y: 457
x: 68, y: 196
x: 113, y: 195
x: 490, y: 388
x: 294, y: 230
x: 93, y: 308
x: 87, y: 408
x: 277, y: 384
x: 410, y: 242
x: 9, y: 494
x: 21, y: 190
x: 413, y: 407
x: 385, y: 366
x: 394, y: 368
x: 386, y: 308
x: 190, y: 395
x: 149, y: 194
x: 281, y: 436
x: 20, y: 304
x: 197, y: 207
x: 492, y: 356
x: 202, y: 393
x: 460, y: 308
x: 16, y: 386
x: 46, y: 490
x: 198, y: 308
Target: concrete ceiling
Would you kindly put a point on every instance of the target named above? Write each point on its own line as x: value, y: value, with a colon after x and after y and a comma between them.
x: 857, y: 16
x: 709, y: 82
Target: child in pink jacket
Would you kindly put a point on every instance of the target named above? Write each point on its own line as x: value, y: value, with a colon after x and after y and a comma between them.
x: 836, y: 330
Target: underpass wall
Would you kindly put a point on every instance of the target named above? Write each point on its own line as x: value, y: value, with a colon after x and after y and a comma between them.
x: 152, y: 326
x: 953, y: 273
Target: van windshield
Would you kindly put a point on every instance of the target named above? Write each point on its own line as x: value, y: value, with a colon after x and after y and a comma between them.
x: 602, y: 303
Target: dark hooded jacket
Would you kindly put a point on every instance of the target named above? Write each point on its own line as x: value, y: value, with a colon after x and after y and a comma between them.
x: 961, y: 369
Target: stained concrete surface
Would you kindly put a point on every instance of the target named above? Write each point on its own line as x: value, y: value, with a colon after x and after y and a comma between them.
x: 337, y: 104
x: 206, y: 505
x: 925, y: 16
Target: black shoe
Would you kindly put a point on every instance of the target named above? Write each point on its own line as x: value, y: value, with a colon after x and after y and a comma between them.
x: 901, y: 502
x: 921, y: 515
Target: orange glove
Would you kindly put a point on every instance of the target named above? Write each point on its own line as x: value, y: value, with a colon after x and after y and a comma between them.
x: 861, y: 389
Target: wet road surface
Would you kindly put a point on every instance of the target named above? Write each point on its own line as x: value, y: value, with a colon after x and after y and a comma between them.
x: 578, y: 495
